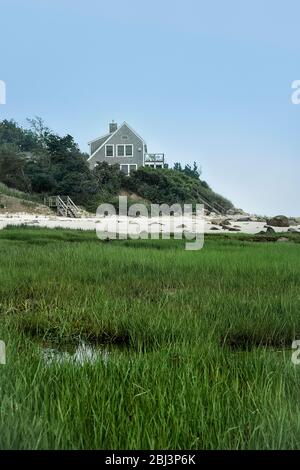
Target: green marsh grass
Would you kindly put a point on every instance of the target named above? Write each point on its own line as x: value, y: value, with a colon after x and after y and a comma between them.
x: 199, y: 342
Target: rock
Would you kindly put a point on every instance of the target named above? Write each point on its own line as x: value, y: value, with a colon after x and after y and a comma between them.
x: 236, y: 211
x: 282, y: 239
x: 226, y: 222
x: 230, y: 228
x: 270, y: 230
x: 214, y: 228
x: 216, y: 221
x: 292, y: 229
x: 220, y: 221
x: 279, y: 221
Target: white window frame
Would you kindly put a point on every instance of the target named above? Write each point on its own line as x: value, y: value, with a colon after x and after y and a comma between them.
x: 125, y: 156
x: 128, y: 165
x: 113, y: 147
x: 117, y: 154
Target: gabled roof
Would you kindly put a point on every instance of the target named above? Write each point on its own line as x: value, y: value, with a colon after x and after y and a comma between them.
x: 98, y: 138
x: 109, y: 136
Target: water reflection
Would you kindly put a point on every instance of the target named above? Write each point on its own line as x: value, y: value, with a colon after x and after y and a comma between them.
x: 83, y: 353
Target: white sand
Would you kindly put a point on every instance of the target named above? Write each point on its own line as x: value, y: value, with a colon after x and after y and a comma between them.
x: 135, y: 225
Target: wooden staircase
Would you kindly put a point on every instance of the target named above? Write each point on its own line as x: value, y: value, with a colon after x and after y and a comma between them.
x: 64, y: 206
x: 213, y: 206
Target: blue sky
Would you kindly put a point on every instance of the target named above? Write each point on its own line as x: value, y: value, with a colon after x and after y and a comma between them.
x: 204, y: 81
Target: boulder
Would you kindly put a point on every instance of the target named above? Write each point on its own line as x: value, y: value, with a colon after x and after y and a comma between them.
x: 282, y: 239
x: 230, y: 228
x: 293, y: 229
x: 214, y: 228
x: 221, y: 221
x: 279, y: 221
x: 225, y: 222
x: 216, y: 221
x: 270, y: 230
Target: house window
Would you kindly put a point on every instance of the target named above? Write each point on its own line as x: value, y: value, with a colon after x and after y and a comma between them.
x: 120, y: 150
x: 127, y: 169
x: 109, y: 150
x: 125, y: 150
x: 129, y: 150
x: 124, y: 168
x: 124, y: 137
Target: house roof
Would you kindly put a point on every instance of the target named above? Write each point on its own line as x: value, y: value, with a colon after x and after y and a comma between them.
x: 98, y: 138
x: 109, y: 136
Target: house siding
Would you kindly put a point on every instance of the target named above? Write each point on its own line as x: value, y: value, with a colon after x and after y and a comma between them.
x: 132, y: 139
x: 97, y: 143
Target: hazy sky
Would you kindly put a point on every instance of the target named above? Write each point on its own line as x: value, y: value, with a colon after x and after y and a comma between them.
x: 208, y: 81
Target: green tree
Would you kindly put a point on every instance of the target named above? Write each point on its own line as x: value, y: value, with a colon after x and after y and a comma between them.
x: 10, y: 133
x: 177, y: 166
x: 108, y: 177
x: 12, y: 168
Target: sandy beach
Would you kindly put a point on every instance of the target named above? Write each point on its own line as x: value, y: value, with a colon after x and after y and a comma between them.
x: 177, y: 224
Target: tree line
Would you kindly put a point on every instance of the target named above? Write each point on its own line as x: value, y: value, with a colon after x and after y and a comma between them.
x: 37, y: 160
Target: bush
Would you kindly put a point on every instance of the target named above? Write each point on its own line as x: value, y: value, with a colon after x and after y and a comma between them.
x: 172, y: 186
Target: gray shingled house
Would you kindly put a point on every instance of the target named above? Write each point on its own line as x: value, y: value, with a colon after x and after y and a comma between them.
x: 124, y: 147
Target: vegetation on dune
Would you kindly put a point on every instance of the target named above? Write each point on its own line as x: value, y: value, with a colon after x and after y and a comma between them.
x: 172, y: 186
x: 39, y: 162
x: 13, y: 200
x: 198, y: 343
x: 7, y: 191
x: 49, y: 165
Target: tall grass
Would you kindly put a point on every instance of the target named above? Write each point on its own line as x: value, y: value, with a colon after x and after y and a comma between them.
x: 6, y: 191
x: 199, y: 343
